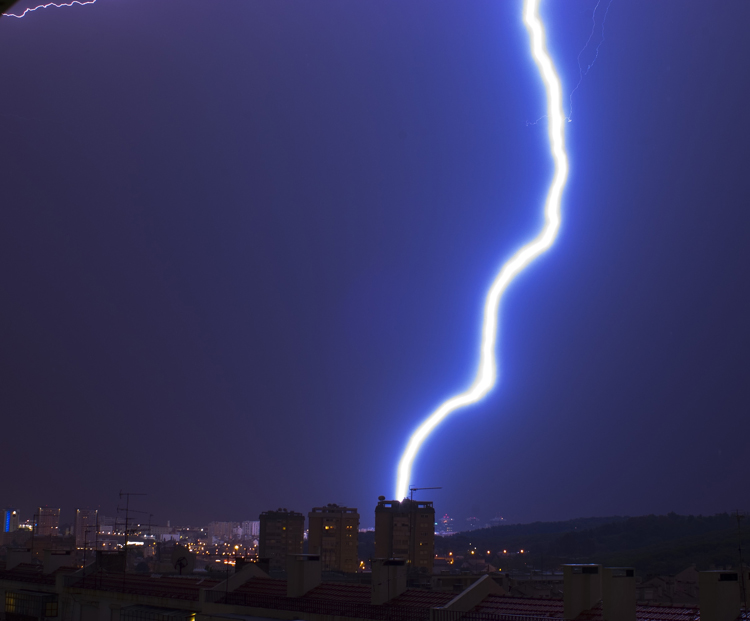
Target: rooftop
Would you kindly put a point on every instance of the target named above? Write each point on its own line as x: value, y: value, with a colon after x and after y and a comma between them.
x: 32, y: 573
x: 171, y: 587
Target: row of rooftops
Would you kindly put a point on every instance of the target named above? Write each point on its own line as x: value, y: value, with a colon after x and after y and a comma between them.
x: 256, y: 592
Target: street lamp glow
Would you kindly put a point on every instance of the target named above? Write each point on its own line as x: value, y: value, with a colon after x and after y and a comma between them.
x: 487, y: 372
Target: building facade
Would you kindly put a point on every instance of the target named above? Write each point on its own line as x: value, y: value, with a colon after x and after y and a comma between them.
x: 48, y: 522
x: 250, y: 528
x: 333, y: 534
x: 281, y: 533
x: 10, y: 521
x: 406, y: 529
x: 219, y: 532
x: 85, y: 528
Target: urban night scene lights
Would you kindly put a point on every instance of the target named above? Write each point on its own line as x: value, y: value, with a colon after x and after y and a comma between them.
x: 259, y: 257
x: 487, y: 373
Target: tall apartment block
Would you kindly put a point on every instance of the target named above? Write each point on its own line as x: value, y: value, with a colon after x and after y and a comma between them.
x: 10, y: 521
x: 333, y: 534
x: 48, y: 522
x: 85, y: 528
x: 281, y: 533
x: 406, y: 530
x: 221, y: 531
x: 250, y: 528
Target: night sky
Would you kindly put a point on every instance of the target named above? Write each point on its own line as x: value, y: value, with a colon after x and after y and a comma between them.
x: 246, y: 243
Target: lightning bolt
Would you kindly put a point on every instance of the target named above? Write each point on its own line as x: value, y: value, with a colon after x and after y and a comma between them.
x: 581, y: 73
x: 50, y: 5
x: 487, y: 371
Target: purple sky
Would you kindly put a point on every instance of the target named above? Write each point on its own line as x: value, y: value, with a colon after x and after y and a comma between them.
x: 246, y: 246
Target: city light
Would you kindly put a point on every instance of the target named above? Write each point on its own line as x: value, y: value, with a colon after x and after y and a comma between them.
x: 487, y: 372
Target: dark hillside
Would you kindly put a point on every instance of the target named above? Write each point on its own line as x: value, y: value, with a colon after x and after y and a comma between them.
x: 652, y: 544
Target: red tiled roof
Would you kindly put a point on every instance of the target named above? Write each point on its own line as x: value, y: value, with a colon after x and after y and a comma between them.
x: 423, y: 599
x: 357, y: 593
x: 667, y: 613
x: 530, y: 606
x: 553, y: 609
x: 171, y: 587
x: 330, y: 598
x: 264, y: 586
x: 649, y: 613
x: 345, y: 592
x: 28, y: 572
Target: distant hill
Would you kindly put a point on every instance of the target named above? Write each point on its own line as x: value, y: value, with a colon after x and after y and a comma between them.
x: 518, y: 533
x: 663, y: 544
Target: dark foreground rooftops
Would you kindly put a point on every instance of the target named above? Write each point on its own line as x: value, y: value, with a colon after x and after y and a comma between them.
x: 251, y: 593
x: 33, y: 574
x: 169, y: 587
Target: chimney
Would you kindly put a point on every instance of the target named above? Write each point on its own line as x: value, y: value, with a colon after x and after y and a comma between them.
x: 16, y: 556
x: 264, y: 564
x: 582, y: 588
x: 388, y: 579
x: 54, y: 559
x: 302, y: 574
x: 719, y: 595
x: 618, y: 594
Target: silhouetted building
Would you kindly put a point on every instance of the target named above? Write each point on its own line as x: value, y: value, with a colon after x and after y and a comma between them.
x: 405, y: 530
x: 333, y: 534
x: 10, y: 521
x: 220, y: 532
x: 107, y: 525
x: 48, y: 522
x: 281, y: 533
x: 85, y: 528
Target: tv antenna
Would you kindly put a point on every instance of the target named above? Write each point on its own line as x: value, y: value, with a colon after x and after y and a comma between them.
x: 127, y: 510
x: 740, y: 516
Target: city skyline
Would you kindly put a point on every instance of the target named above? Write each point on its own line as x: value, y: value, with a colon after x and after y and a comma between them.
x: 114, y: 517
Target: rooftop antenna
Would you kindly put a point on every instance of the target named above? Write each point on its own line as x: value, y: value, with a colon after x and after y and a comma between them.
x: 127, y: 496
x: 416, y: 489
x: 740, y: 515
